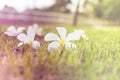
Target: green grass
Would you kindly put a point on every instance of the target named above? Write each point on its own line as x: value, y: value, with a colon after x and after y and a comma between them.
x: 95, y: 59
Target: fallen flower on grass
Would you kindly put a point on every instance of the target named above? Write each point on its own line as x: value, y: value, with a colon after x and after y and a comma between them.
x: 61, y: 40
x: 12, y: 31
x: 28, y: 39
x: 36, y: 29
x: 81, y: 33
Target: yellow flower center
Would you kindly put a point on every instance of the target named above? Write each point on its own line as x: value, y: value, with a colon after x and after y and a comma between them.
x: 62, y: 42
x: 30, y: 42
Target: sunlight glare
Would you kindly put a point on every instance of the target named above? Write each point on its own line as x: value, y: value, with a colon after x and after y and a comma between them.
x: 22, y: 5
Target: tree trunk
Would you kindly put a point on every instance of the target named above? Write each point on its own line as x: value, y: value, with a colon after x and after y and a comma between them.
x: 76, y: 14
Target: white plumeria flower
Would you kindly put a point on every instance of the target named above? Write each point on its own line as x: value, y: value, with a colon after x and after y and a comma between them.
x: 82, y: 34
x: 28, y: 39
x: 38, y: 31
x: 62, y: 39
x: 12, y: 31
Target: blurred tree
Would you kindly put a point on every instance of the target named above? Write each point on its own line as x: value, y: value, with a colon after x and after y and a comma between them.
x: 99, y: 9
x: 60, y: 6
x: 112, y: 10
x: 76, y: 14
x: 108, y: 9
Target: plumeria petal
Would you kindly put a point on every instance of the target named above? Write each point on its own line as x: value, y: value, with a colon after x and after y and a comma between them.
x: 51, y: 37
x: 62, y: 32
x: 20, y: 44
x: 11, y: 29
x: 85, y: 37
x: 39, y: 31
x: 10, y: 33
x: 80, y: 32
x: 20, y: 29
x: 53, y: 46
x: 72, y: 36
x: 35, y: 28
x: 30, y: 33
x: 22, y: 37
x: 70, y: 45
x: 36, y: 44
